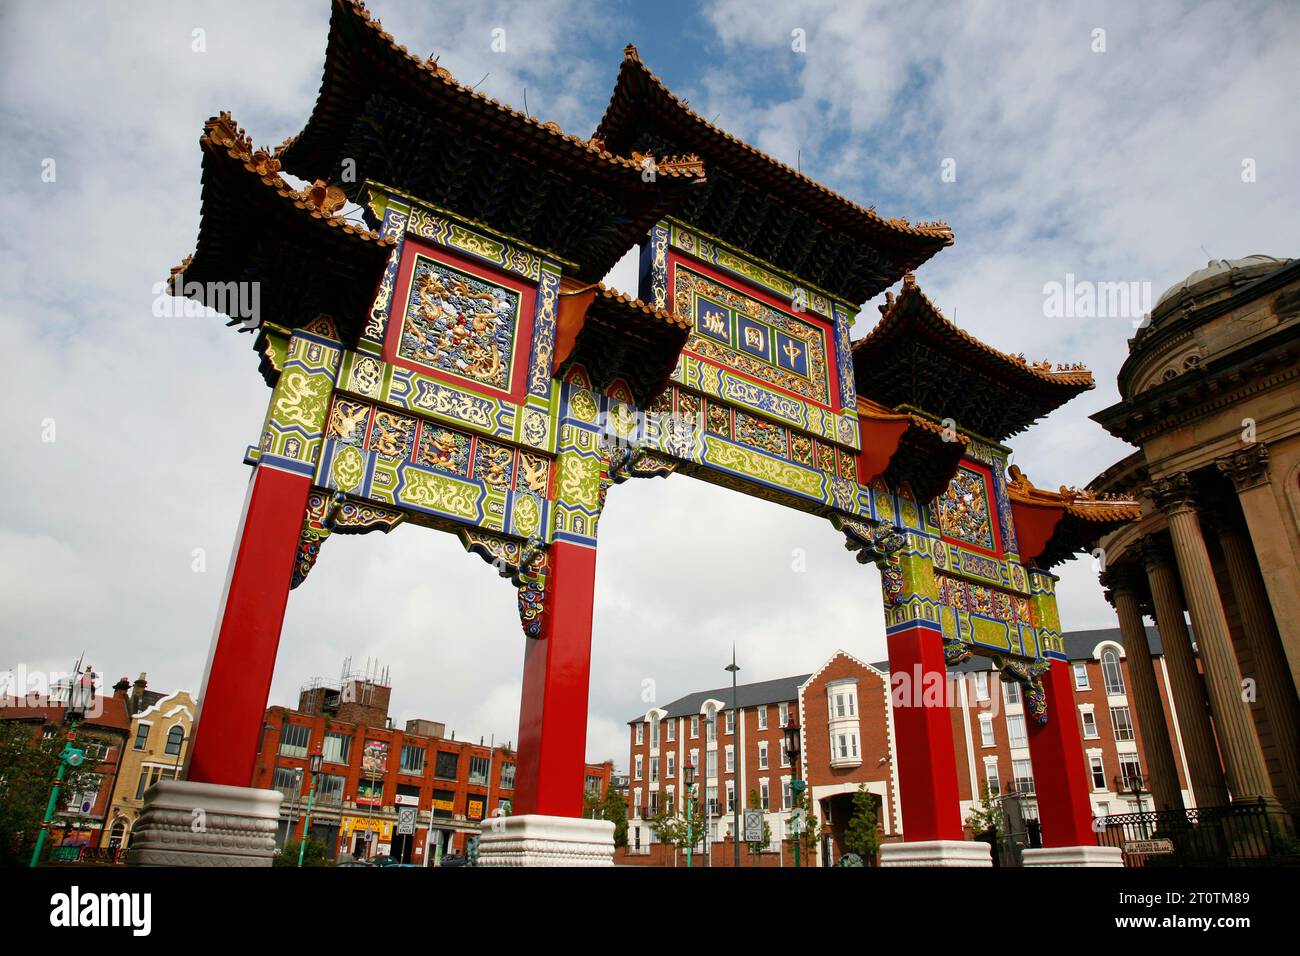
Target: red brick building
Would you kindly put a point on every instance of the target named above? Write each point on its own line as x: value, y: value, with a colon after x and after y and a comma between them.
x: 846, y: 740
x: 377, y: 780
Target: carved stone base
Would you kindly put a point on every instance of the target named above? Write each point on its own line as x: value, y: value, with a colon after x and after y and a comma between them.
x: 1074, y: 856
x: 204, y: 824
x: 937, y: 853
x: 536, y: 840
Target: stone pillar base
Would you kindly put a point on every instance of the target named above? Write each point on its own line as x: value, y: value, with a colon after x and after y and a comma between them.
x: 536, y: 840
x: 937, y: 853
x: 205, y: 824
x: 1074, y: 856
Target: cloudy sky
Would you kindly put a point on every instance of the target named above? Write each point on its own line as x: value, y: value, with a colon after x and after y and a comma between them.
x: 1114, y: 156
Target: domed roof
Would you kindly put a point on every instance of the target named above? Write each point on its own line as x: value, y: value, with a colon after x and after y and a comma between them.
x: 1217, y: 274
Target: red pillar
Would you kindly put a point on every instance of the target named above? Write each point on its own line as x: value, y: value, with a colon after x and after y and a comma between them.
x: 232, y: 701
x: 557, y: 671
x: 1060, y: 772
x: 927, y: 765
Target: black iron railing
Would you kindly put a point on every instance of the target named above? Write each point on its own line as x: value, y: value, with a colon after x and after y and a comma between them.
x: 1242, y: 834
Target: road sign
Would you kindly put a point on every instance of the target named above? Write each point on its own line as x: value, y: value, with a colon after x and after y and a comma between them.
x: 1149, y: 846
x: 406, y: 820
x: 753, y: 826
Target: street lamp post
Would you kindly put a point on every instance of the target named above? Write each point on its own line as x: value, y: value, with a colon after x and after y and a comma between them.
x: 796, y: 785
x: 316, y: 760
x: 736, y: 781
x: 81, y: 697
x: 688, y: 774
x: 1134, y: 784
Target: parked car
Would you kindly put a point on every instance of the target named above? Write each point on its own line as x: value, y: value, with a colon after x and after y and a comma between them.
x: 453, y: 859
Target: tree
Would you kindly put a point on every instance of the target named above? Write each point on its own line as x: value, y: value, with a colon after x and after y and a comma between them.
x: 676, y: 829
x: 861, y: 833
x: 612, y: 806
x: 985, y: 815
x: 755, y: 803
x: 314, y: 855
x: 28, y: 765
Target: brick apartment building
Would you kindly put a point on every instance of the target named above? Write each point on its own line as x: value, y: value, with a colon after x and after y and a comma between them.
x: 373, y: 775
x: 846, y: 730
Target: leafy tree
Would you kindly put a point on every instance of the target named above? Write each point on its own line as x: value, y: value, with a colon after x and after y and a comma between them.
x: 986, y: 814
x: 756, y: 803
x: 861, y: 833
x: 676, y: 829
x: 612, y: 806
x: 27, y: 768
x: 313, y: 856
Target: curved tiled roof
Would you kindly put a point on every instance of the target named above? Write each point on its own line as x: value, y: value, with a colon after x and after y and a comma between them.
x: 621, y: 102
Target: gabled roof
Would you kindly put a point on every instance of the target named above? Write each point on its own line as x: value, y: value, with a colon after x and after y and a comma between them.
x: 747, y: 695
x: 1054, y: 526
x: 915, y: 357
x: 760, y: 204
x: 255, y: 227
x: 615, y: 336
x: 407, y: 122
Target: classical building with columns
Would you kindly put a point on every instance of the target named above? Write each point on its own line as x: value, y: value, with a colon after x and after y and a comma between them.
x: 1210, y: 395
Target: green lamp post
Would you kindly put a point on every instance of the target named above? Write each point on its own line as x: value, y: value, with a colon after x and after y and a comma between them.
x: 316, y: 760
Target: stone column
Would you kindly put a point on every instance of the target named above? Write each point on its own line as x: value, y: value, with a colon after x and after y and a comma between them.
x: 1247, y: 773
x: 1248, y: 470
x: 1273, y: 679
x: 1187, y: 688
x: 1162, y: 769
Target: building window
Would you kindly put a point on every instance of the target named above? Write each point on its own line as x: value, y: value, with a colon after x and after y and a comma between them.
x: 712, y: 773
x: 981, y: 685
x: 842, y: 704
x: 287, y: 781
x: 731, y: 721
x: 141, y: 736
x: 1016, y: 730
x: 712, y: 797
x: 446, y: 766
x: 783, y: 713
x: 654, y: 803
x: 1023, y: 771
x: 637, y: 809
x: 986, y: 730
x: 731, y: 795
x: 1111, y: 673
x: 294, y: 739
x: 1011, y: 689
x: 762, y: 717
x: 1081, y: 677
x: 444, y: 803
x: 991, y: 778
x: 785, y: 755
x: 507, y: 776
x: 695, y: 726
x: 1121, y: 721
x: 731, y: 759
x: 672, y: 730
x: 1130, y: 771
x: 412, y: 759
x: 786, y: 795
x: 336, y: 748
x: 640, y: 734
x: 670, y: 800
x: 637, y: 767
x: 762, y: 755
x: 1089, y: 724
x: 478, y: 771
x: 671, y: 770
x: 1098, y: 772
x: 174, y: 738
x: 329, y: 788
x: 711, y: 726
x: 654, y: 769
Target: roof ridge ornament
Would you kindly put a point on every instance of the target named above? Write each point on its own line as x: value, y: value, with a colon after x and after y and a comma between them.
x: 325, y: 199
